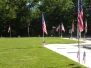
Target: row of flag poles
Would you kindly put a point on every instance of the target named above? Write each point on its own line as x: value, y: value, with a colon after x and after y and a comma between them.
x: 80, y: 27
x: 61, y: 27
x: 9, y: 30
x: 57, y: 29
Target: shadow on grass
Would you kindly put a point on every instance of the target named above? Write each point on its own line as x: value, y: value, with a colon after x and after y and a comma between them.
x: 40, y: 47
x: 71, y: 64
x: 19, y: 48
x: 25, y: 47
x: 76, y: 67
x: 55, y: 67
x: 15, y: 48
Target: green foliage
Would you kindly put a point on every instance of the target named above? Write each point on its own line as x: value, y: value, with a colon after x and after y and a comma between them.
x: 21, y: 13
x: 29, y: 53
x: 54, y: 11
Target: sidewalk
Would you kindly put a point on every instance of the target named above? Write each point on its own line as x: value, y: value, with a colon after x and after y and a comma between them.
x: 70, y: 51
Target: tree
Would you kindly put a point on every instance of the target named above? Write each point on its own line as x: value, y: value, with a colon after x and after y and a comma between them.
x: 21, y: 13
x: 55, y: 11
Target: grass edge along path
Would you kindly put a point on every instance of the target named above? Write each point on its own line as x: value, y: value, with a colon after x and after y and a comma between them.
x: 29, y: 53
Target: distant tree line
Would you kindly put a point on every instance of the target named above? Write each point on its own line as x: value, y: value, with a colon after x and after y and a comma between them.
x: 20, y: 14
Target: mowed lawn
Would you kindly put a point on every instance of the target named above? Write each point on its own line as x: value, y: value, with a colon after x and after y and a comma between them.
x: 29, y: 53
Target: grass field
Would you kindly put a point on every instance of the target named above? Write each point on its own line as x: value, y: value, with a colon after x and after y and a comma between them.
x: 29, y: 53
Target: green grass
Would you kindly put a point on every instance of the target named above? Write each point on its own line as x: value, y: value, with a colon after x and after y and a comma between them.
x: 29, y: 53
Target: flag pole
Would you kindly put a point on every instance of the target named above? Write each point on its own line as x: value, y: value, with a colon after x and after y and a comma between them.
x: 71, y: 33
x: 80, y: 47
x: 28, y: 30
x: 61, y: 30
x: 77, y: 30
x: 61, y: 33
x: 80, y: 25
x: 78, y: 34
x: 85, y: 30
x: 43, y: 36
x: 44, y: 28
x: 72, y: 29
x: 84, y: 35
x: 79, y: 37
x: 10, y: 31
x: 77, y: 24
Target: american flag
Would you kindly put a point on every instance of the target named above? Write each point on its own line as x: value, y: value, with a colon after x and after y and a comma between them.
x: 78, y: 56
x: 62, y: 27
x: 72, y: 27
x: 80, y: 16
x: 9, y: 29
x: 58, y: 28
x: 84, y: 56
x: 86, y: 26
x: 43, y: 24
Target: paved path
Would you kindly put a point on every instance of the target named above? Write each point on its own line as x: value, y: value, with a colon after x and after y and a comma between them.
x: 70, y: 51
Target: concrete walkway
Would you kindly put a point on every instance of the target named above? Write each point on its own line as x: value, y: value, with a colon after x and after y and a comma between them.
x: 70, y: 51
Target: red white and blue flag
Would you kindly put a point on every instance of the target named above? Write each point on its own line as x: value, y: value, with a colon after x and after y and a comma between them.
x: 9, y: 29
x: 43, y: 24
x: 80, y: 16
x: 58, y: 28
x: 84, y: 57
x: 72, y: 27
x: 62, y: 27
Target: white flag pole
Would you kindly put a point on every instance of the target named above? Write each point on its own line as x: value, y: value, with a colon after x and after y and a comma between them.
x: 10, y: 31
x: 61, y: 30
x: 78, y: 34
x: 43, y: 28
x: 28, y: 30
x: 85, y: 30
x: 43, y: 36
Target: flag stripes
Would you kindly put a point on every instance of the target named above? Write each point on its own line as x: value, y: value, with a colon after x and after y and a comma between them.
x: 62, y: 27
x: 9, y: 29
x: 43, y: 24
x: 57, y: 28
x: 80, y: 16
